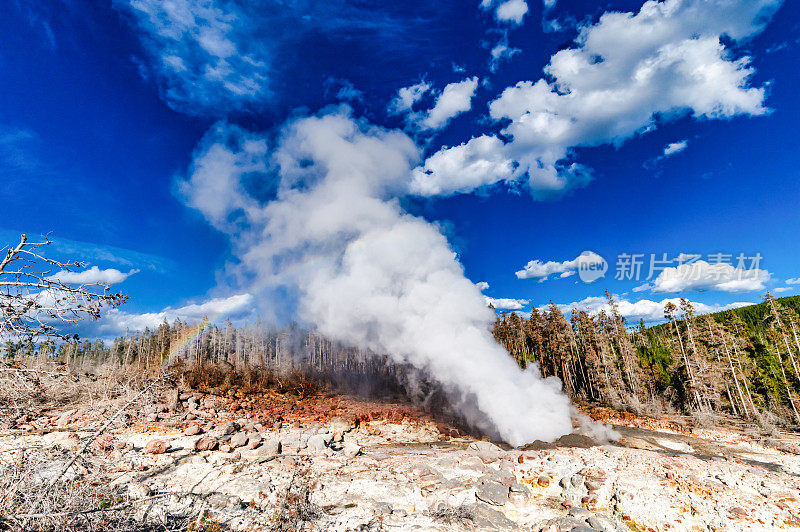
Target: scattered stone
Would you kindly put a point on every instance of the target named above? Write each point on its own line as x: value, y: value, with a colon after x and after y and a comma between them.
x: 229, y: 428
x: 543, y: 481
x: 225, y: 448
x: 238, y: 440
x: 254, y: 440
x: 270, y: 447
x: 486, y: 451
x: 156, y: 447
x: 192, y: 430
x: 206, y: 443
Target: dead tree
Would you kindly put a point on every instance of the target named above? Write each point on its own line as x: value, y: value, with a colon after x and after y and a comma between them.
x: 37, y: 295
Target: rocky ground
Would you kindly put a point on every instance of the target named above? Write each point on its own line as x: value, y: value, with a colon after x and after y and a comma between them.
x: 280, y: 462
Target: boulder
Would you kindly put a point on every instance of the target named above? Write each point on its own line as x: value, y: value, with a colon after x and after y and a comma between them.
x: 192, y: 430
x: 486, y: 451
x: 206, y: 443
x: 254, y: 440
x: 156, y: 447
x: 238, y: 440
x: 492, y: 492
x: 484, y: 517
x: 229, y: 428
x: 269, y: 447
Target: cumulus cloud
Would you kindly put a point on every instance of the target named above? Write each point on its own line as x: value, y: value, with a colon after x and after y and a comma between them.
x: 463, y: 168
x: 366, y: 272
x: 482, y: 285
x: 93, y: 275
x: 627, y: 72
x: 633, y: 311
x: 455, y: 99
x: 701, y: 275
x: 536, y: 269
x: 508, y: 11
x: 203, y: 53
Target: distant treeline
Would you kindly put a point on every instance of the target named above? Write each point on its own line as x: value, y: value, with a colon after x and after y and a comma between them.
x: 741, y: 362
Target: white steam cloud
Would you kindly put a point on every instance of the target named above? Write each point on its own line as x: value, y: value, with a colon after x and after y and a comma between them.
x: 333, y: 235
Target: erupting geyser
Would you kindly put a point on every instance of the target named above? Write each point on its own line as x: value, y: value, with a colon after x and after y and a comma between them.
x: 331, y: 233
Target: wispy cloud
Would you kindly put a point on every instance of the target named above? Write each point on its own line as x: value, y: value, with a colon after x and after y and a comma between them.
x: 93, y: 275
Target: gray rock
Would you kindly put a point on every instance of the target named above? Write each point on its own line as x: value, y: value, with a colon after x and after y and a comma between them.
x: 270, y: 447
x: 583, y: 528
x: 563, y: 524
x: 229, y: 428
x: 492, y: 492
x: 485, y: 518
x: 238, y: 440
x: 192, y: 430
x: 579, y: 513
x: 602, y: 523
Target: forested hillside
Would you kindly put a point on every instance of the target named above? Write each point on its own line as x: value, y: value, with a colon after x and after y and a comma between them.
x: 743, y: 362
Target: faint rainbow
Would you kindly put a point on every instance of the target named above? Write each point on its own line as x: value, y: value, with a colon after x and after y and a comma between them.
x: 196, y: 331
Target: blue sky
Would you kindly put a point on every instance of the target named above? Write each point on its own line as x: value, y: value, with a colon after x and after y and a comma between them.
x: 150, y: 138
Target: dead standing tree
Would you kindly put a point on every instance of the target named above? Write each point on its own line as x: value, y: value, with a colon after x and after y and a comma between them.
x: 40, y: 295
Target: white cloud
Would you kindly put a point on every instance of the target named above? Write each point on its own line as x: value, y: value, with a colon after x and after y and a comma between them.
x: 508, y: 11
x: 116, y: 321
x: 782, y: 289
x: 675, y: 147
x: 501, y: 52
x: 93, y: 275
x: 203, y: 52
x: 455, y: 99
x: 225, y: 154
x: 483, y: 285
x: 536, y: 269
x: 463, y: 168
x: 407, y: 97
x: 506, y: 304
x: 628, y: 71
x: 796, y: 280
x: 650, y: 311
x: 549, y: 4
x: 700, y: 275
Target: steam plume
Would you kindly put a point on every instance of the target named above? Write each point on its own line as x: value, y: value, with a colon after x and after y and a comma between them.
x: 318, y: 218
